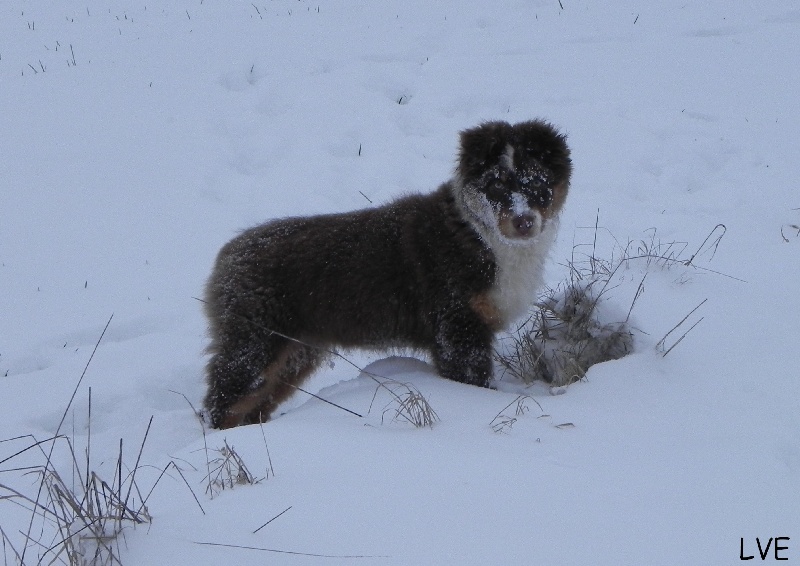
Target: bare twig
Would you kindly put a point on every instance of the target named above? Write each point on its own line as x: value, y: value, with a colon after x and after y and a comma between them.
x: 242, y: 547
x: 132, y: 481
x: 177, y: 469
x: 639, y: 291
x: 794, y: 227
x: 661, y: 343
x: 679, y: 340
x: 205, y: 438
x: 271, y: 470
x: 714, y: 245
x: 275, y: 517
x: 315, y: 396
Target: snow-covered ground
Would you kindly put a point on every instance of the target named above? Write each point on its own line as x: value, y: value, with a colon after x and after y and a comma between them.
x: 137, y: 139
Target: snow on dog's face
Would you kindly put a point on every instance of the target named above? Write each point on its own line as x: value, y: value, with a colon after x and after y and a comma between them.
x: 513, y: 180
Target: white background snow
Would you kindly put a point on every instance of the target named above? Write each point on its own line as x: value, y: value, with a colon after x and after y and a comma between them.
x: 138, y: 138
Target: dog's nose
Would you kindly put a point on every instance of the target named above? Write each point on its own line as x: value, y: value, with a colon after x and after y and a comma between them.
x: 523, y: 223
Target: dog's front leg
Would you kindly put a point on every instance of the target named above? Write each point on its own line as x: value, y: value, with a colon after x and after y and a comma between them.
x: 463, y: 348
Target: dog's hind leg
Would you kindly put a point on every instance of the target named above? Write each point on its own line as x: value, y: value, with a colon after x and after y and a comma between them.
x: 296, y: 363
x: 234, y: 373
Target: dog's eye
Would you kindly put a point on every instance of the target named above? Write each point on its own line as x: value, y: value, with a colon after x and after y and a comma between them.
x: 531, y: 181
x: 543, y: 198
x: 496, y: 190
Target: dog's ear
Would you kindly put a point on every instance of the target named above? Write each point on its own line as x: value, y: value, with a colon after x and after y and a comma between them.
x: 542, y: 141
x: 481, y: 147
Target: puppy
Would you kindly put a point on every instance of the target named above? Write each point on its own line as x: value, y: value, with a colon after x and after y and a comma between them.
x: 441, y: 272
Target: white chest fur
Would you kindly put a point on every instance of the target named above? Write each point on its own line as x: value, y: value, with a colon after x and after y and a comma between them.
x: 520, y: 261
x: 520, y: 271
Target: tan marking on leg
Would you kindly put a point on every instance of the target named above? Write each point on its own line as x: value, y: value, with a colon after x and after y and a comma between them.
x: 270, y: 378
x: 283, y: 390
x: 485, y: 308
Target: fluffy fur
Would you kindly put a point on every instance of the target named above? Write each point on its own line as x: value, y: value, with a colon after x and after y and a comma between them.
x: 440, y: 272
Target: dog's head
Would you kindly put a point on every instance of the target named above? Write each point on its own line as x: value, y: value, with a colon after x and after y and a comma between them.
x: 513, y: 180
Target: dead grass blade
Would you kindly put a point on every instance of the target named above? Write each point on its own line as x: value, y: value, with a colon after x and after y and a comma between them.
x: 661, y: 345
x: 713, y: 246
x: 275, y: 517
x: 295, y: 553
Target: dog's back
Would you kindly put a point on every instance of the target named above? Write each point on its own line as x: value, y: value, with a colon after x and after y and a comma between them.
x: 367, y: 278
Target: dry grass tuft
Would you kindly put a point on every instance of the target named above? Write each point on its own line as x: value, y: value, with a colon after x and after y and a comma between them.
x: 502, y: 422
x: 407, y: 404
x: 569, y: 330
x: 227, y: 471
x: 411, y: 406
x: 565, y: 334
x: 79, y: 520
x: 77, y: 517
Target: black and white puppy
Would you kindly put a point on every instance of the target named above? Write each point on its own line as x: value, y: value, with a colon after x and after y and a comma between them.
x: 441, y: 272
